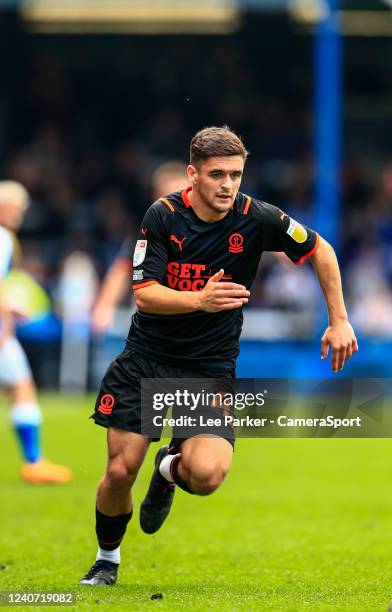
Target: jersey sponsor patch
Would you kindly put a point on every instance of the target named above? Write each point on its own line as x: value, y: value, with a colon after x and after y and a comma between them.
x: 140, y: 252
x: 138, y: 275
x: 297, y: 231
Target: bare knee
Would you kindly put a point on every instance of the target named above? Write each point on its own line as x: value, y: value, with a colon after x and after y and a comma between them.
x: 120, y: 474
x: 205, y: 477
x: 126, y: 451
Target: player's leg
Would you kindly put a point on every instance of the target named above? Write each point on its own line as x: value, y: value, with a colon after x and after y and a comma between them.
x: 26, y: 416
x: 26, y: 419
x: 118, y: 409
x: 159, y: 498
x: 199, y: 468
x: 126, y: 452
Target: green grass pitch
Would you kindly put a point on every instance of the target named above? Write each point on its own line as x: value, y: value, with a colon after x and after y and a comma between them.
x: 298, y: 525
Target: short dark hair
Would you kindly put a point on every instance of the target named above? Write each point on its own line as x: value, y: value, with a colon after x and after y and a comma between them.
x: 216, y: 142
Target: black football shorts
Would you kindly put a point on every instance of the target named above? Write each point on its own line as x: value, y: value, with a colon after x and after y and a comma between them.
x: 119, y: 399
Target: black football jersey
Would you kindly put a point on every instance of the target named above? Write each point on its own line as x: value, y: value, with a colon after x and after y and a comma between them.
x: 181, y: 251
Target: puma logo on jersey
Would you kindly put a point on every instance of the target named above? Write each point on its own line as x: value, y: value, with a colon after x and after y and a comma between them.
x: 179, y: 242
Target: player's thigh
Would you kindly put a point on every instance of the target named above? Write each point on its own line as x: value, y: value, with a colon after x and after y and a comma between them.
x: 126, y: 449
x: 207, y: 454
x: 14, y: 367
x: 24, y: 391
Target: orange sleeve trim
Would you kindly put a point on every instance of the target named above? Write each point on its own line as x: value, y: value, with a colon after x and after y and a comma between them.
x: 145, y: 284
x: 305, y: 257
x: 168, y: 204
x: 247, y: 205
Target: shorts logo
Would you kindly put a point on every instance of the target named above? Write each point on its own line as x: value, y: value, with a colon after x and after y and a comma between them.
x: 106, y: 404
x: 236, y: 243
x: 297, y: 231
x: 140, y: 252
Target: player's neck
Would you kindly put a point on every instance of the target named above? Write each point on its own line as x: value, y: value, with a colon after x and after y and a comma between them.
x: 202, y: 210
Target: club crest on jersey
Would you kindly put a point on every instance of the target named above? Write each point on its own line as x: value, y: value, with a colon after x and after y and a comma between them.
x: 236, y: 243
x: 297, y: 231
x: 140, y: 252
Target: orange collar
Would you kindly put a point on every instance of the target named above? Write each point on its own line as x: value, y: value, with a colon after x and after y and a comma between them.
x: 185, y: 197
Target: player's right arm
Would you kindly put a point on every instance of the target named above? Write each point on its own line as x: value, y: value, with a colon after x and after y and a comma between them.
x: 215, y: 297
x: 149, y: 269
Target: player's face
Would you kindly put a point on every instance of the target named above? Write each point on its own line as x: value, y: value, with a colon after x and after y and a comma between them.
x: 216, y: 181
x: 11, y: 216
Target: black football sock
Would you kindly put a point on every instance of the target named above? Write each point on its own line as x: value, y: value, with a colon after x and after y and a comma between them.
x: 110, y: 530
x: 177, y: 478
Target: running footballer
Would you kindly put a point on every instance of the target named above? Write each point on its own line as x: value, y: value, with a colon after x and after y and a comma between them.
x: 194, y: 264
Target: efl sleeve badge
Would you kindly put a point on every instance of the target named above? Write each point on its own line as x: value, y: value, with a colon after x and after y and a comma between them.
x: 297, y: 231
x: 140, y: 252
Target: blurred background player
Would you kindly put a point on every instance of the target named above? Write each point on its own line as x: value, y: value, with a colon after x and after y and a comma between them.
x: 167, y: 178
x: 15, y: 374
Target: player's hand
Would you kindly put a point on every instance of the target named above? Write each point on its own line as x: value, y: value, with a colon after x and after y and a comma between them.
x: 341, y: 338
x: 102, y: 318
x: 217, y: 296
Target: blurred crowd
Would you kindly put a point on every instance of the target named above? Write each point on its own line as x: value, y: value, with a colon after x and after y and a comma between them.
x: 86, y: 138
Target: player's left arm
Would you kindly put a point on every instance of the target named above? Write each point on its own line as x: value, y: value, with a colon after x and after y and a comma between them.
x: 339, y: 334
x: 282, y: 233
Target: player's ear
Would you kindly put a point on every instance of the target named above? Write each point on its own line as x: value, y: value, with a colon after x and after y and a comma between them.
x: 192, y: 174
